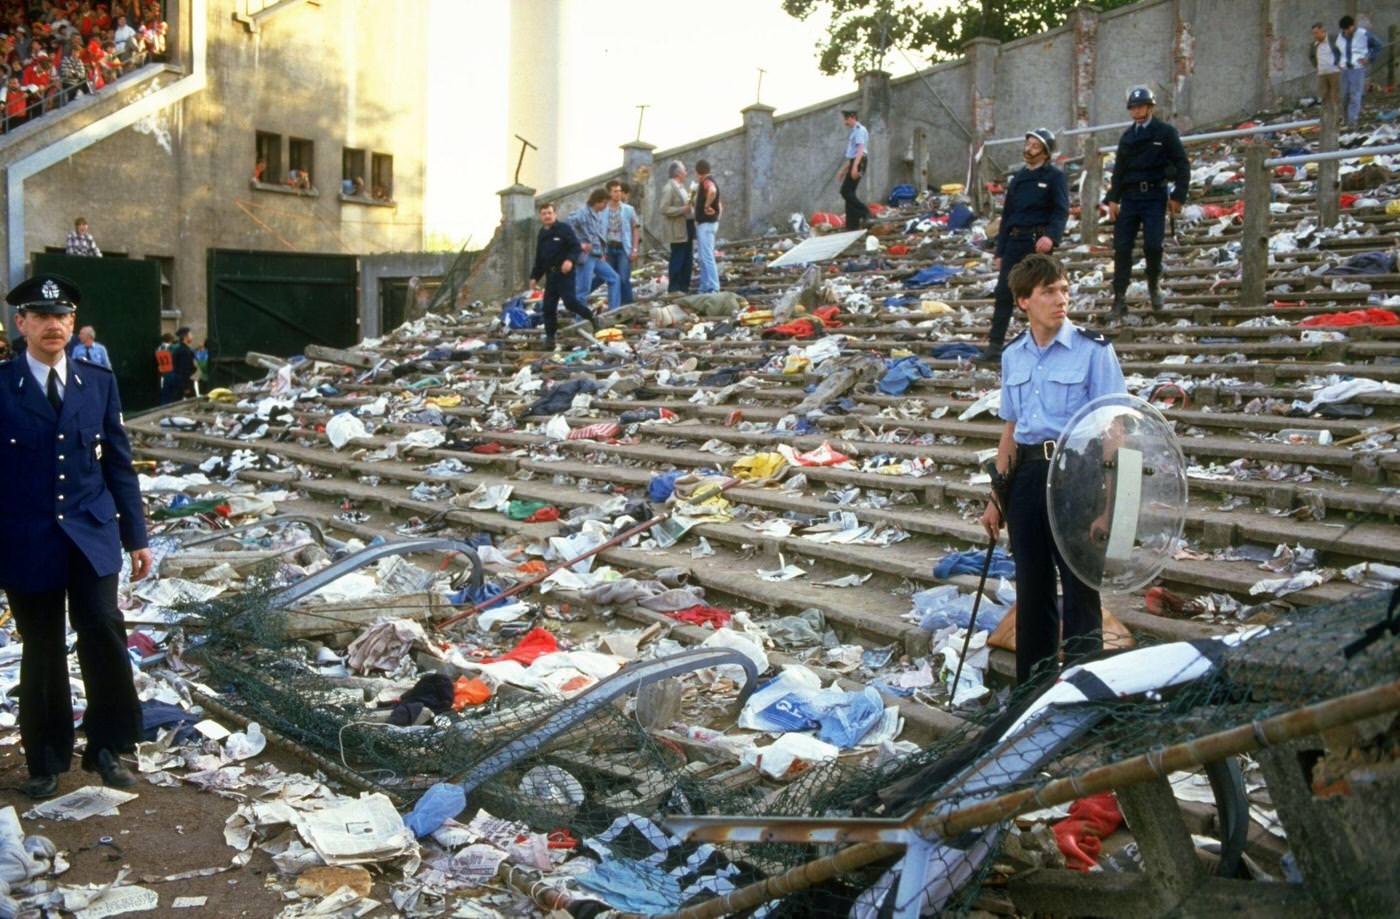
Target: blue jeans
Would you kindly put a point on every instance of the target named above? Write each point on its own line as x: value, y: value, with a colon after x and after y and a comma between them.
x: 682, y: 263
x: 1353, y: 85
x: 705, y: 256
x: 587, y: 266
x: 621, y: 262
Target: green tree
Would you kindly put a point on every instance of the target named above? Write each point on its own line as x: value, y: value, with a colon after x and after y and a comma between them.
x: 861, y: 34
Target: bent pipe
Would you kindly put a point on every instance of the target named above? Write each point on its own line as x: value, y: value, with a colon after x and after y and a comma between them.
x: 311, y: 523
x: 306, y: 586
x: 1232, y: 813
x: 626, y: 680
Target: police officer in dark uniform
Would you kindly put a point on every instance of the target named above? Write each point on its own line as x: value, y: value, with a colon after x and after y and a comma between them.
x: 1149, y: 155
x: 557, y: 251
x: 1032, y: 220
x: 1048, y: 373
x: 69, y: 504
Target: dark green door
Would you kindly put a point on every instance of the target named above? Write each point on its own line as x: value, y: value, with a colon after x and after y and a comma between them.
x: 121, y: 301
x: 277, y: 303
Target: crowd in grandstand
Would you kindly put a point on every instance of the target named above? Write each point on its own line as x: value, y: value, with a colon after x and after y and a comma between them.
x: 53, y: 52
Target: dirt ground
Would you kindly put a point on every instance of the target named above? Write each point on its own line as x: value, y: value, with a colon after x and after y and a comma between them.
x: 165, y: 831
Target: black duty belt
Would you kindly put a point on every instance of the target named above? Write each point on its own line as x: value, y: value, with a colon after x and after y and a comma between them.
x: 1028, y: 231
x: 1041, y: 452
x: 1146, y: 186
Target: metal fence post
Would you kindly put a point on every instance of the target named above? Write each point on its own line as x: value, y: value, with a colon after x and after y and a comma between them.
x: 1254, y: 251
x: 1089, y: 194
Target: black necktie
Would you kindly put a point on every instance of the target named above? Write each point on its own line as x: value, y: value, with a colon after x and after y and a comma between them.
x: 54, y: 399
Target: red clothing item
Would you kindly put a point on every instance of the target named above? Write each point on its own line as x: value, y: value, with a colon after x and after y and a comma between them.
x: 1078, y: 835
x: 798, y: 328
x: 535, y: 645
x: 15, y: 103
x: 702, y: 615
x: 544, y: 515
x: 1370, y: 316
x: 828, y: 314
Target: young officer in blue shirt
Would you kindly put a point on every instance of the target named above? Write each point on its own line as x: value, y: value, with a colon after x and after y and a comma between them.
x: 1048, y: 373
x: 1032, y: 220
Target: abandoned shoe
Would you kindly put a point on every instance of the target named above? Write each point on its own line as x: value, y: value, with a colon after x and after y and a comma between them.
x: 40, y: 786
x: 593, y: 321
x: 549, y: 344
x: 114, y: 774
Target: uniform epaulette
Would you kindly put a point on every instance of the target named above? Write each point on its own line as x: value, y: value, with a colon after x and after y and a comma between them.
x: 93, y: 364
x: 1097, y: 338
x: 1017, y: 337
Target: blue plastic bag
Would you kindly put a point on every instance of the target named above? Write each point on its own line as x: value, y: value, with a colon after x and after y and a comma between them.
x: 902, y: 194
x: 438, y: 805
x: 662, y: 486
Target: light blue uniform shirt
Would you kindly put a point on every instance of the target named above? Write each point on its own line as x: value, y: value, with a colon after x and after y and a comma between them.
x: 859, y: 137
x: 95, y: 352
x: 1042, y: 388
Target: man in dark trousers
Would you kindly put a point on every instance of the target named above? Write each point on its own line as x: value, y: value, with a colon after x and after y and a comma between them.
x: 557, y: 251
x: 175, y: 384
x: 1032, y: 220
x: 1048, y: 373
x: 69, y: 503
x: 1150, y: 155
x: 849, y: 175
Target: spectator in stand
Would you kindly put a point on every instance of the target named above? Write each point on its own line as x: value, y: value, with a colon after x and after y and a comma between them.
x: 80, y: 241
x: 587, y: 224
x: 357, y: 188
x: 16, y: 104
x: 260, y: 170
x: 72, y: 72
x: 123, y: 35
x: 90, y: 349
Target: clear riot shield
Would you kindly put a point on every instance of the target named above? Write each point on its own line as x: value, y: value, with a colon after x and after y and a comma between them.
x: 1117, y: 493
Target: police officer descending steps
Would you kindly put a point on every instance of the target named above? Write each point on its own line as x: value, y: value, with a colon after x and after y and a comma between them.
x: 1149, y: 155
x: 1032, y: 220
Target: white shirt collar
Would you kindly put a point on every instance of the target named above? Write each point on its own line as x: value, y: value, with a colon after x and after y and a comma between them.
x: 40, y: 371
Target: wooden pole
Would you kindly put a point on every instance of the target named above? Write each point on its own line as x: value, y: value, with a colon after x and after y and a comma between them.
x: 1328, y: 190
x: 1254, y: 251
x: 1089, y: 194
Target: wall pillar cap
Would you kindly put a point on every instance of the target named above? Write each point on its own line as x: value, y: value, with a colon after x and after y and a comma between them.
x: 517, y: 189
x: 757, y: 107
x: 638, y: 145
x: 981, y: 41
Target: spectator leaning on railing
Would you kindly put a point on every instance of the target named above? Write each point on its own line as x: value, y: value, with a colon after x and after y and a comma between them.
x: 80, y: 241
x: 56, y: 51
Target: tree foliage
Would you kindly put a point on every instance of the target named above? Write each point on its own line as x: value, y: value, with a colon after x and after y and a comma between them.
x: 861, y: 34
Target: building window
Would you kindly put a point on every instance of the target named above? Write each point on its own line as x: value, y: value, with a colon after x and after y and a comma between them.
x: 382, y: 180
x: 352, y: 172
x: 267, y: 167
x: 301, y: 163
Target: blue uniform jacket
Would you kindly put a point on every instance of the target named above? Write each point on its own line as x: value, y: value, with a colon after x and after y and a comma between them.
x: 65, y: 478
x: 1152, y: 156
x: 1035, y: 198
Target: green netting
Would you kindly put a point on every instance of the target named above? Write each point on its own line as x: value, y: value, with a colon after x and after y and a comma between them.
x: 609, y: 766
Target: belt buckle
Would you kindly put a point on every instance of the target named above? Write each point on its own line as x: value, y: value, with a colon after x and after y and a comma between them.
x: 1144, y: 186
x: 1047, y: 450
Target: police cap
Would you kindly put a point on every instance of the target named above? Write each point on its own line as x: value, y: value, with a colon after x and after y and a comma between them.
x: 1046, y: 138
x: 1141, y: 95
x: 45, y: 293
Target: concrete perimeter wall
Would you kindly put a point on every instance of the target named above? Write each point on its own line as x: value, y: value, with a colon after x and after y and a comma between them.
x: 1207, y: 60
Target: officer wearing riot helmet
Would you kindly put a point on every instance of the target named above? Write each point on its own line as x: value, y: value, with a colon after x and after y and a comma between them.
x: 1149, y: 156
x: 1032, y: 220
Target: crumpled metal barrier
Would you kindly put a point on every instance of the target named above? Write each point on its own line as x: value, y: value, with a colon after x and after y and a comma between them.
x: 630, y: 678
x: 267, y: 523
x: 307, y: 586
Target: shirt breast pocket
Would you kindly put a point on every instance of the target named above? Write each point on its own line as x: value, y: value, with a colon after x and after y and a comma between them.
x: 1016, y: 383
x: 1066, y: 389
x: 17, y: 449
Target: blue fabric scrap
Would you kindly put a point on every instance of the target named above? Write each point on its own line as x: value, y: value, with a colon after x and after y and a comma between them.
x: 969, y: 561
x: 902, y: 372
